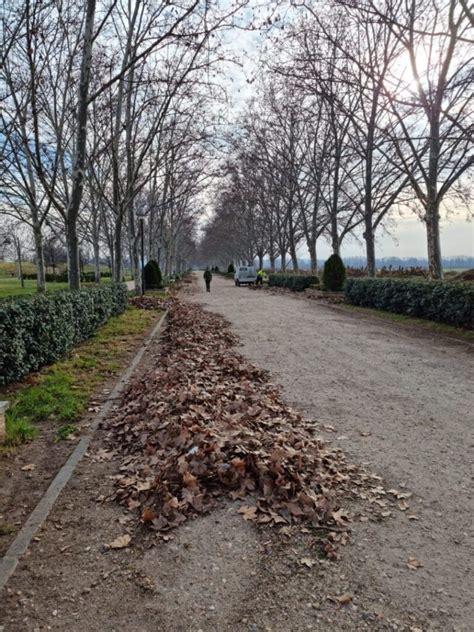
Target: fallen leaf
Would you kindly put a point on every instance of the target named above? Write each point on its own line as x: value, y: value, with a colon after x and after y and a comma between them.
x: 148, y: 515
x: 414, y: 564
x: 28, y: 468
x: 403, y: 505
x: 248, y: 513
x: 308, y: 561
x: 343, y: 599
x: 121, y: 542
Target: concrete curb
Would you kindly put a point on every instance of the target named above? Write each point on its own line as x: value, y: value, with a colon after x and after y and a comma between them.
x: 39, y: 514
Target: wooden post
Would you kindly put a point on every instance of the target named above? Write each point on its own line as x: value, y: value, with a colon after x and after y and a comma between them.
x: 3, y: 409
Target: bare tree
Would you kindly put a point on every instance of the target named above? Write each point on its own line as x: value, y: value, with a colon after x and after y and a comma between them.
x: 430, y: 114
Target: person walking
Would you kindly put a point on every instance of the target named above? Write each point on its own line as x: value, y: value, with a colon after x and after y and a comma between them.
x: 208, y: 278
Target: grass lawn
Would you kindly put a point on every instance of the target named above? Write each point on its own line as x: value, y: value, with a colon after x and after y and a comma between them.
x: 60, y: 393
x: 12, y: 286
x: 9, y: 267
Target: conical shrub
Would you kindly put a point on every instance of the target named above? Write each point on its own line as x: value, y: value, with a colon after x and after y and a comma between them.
x: 334, y: 274
x: 152, y: 275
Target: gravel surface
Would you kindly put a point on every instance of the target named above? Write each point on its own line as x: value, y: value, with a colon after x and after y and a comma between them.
x: 396, y: 400
x: 399, y: 400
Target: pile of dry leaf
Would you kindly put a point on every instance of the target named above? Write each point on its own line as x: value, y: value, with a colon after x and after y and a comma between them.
x: 148, y: 302
x: 204, y: 423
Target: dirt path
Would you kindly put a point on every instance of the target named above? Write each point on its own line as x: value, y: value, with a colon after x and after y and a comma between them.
x: 400, y: 402
x: 218, y: 573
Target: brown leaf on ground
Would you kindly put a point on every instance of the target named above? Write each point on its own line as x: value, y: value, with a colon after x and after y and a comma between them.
x: 343, y: 599
x: 413, y: 564
x: 121, y: 542
x: 308, y: 561
x: 148, y: 515
x: 248, y: 513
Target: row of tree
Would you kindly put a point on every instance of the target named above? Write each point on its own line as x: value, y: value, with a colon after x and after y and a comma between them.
x: 105, y: 124
x: 362, y: 110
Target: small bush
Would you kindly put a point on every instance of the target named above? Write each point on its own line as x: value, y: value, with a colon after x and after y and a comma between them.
x: 39, y: 329
x: 334, y: 274
x: 152, y: 276
x: 443, y: 301
x: 295, y: 282
x: 231, y: 269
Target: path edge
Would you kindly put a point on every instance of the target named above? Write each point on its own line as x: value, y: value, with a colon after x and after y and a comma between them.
x: 38, y: 516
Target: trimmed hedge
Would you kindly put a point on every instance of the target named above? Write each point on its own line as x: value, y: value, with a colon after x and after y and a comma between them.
x: 295, y: 282
x: 443, y: 301
x: 39, y: 329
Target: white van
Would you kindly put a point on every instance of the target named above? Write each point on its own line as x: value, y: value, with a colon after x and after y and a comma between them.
x: 245, y: 274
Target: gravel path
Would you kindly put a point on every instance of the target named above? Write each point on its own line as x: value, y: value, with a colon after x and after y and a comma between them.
x: 394, y: 399
x: 397, y: 400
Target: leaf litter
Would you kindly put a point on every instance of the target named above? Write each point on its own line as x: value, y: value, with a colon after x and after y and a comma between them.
x: 202, y: 423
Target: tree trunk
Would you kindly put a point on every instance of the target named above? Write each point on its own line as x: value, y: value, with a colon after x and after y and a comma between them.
x: 432, y: 205
x: 117, y: 264
x: 370, y: 246
x: 313, y: 257
x: 283, y: 260
x: 335, y: 203
x: 137, y: 272
x: 135, y: 248
x: 96, y: 261
x: 111, y: 258
x: 433, y: 238
x: 20, y: 267
x: 72, y: 246
x: 40, y: 269
x: 260, y: 260
x: 81, y: 146
x: 294, y: 258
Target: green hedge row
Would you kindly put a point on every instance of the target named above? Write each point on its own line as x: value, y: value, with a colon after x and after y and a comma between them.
x: 38, y: 330
x: 296, y: 282
x: 444, y: 301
